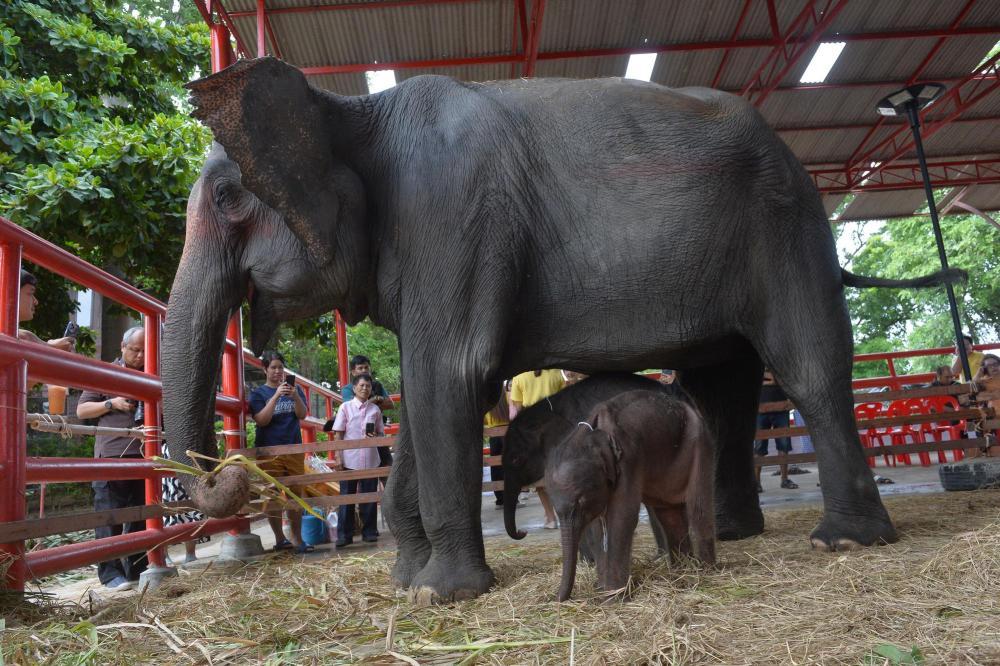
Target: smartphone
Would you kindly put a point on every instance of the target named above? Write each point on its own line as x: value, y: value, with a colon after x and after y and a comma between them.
x: 369, y: 429
x: 290, y: 380
x: 72, y: 330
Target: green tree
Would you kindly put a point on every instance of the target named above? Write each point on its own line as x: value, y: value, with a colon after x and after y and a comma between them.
x: 886, y: 319
x: 97, y: 153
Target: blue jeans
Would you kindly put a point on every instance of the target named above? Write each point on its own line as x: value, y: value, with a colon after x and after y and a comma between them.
x: 369, y: 510
x: 769, y: 421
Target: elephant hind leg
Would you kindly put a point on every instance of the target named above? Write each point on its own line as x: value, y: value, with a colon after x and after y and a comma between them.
x: 675, y: 526
x: 812, y: 362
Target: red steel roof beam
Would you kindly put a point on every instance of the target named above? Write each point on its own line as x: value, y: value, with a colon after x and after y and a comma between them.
x: 592, y: 53
x: 519, y: 20
x: 982, y: 82
x: 228, y: 21
x: 274, y: 40
x: 531, y: 54
x: 948, y: 173
x: 858, y: 126
x: 761, y: 86
x: 736, y: 33
x: 351, y: 6
x: 916, y: 73
x: 203, y: 10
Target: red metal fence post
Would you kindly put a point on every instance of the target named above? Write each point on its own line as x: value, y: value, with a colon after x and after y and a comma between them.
x: 342, y: 369
x: 13, y: 435
x: 153, y: 424
x: 234, y: 424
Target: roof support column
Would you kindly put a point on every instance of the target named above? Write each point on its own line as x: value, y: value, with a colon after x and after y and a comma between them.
x: 531, y: 52
x: 261, y: 35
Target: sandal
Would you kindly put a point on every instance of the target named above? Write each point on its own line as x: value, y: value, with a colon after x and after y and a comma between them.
x: 304, y: 548
x: 284, y: 544
x: 788, y: 484
x: 884, y: 480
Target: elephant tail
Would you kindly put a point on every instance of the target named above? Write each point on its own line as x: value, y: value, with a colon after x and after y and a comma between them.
x: 700, y: 499
x: 950, y: 276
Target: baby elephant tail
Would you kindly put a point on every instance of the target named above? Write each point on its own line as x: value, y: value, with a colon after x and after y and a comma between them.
x: 700, y: 500
x: 950, y: 276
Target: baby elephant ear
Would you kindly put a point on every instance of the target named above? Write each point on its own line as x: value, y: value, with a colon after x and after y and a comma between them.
x: 276, y: 127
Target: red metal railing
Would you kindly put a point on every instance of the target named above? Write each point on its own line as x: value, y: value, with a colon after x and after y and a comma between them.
x: 67, y: 369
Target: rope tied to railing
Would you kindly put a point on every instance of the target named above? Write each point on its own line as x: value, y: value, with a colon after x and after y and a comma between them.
x: 58, y: 423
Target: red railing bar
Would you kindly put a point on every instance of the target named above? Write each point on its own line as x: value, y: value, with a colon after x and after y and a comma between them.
x: 63, y: 558
x: 77, y: 470
x: 58, y: 260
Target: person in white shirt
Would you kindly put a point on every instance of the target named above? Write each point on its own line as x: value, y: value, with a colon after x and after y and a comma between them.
x: 358, y: 418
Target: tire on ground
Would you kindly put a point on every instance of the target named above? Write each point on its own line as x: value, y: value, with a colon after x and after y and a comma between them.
x: 970, y: 475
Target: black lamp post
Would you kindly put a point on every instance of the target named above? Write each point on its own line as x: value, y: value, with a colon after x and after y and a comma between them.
x: 908, y: 102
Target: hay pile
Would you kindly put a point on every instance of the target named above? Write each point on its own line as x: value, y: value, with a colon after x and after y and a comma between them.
x: 931, y: 598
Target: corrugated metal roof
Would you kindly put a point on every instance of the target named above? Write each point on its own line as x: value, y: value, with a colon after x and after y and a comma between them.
x: 462, y: 29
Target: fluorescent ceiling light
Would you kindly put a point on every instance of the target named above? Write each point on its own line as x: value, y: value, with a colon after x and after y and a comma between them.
x: 380, y: 80
x: 822, y: 62
x: 640, y: 66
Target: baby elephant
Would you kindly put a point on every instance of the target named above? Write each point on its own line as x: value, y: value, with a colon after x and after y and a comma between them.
x: 638, y: 447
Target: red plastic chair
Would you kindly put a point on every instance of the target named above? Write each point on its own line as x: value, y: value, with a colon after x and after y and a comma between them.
x: 901, y: 433
x: 872, y: 437
x: 942, y: 404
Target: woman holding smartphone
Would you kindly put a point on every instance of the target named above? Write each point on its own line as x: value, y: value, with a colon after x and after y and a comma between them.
x: 358, y: 418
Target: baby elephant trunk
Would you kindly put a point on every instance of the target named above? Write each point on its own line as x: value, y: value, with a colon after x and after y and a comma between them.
x: 511, y: 490
x: 570, y: 531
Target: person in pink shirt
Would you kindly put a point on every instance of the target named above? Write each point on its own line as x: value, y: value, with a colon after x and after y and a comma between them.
x: 358, y: 418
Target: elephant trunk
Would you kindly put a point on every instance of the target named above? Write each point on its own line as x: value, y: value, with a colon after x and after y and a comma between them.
x: 199, y: 308
x: 570, y: 531
x: 511, y: 491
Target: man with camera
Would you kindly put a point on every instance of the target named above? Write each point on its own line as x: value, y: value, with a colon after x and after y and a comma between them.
x: 358, y: 418
x: 119, y: 412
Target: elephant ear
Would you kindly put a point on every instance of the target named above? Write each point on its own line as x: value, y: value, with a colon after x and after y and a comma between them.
x: 277, y: 128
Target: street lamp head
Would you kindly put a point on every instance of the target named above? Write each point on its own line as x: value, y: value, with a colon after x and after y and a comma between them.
x: 919, y: 95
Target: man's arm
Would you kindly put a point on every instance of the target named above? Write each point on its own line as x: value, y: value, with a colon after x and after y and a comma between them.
x: 65, y: 344
x: 92, y: 405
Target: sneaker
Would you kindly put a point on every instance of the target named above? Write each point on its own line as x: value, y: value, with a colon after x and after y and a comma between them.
x: 121, y: 584
x: 788, y: 484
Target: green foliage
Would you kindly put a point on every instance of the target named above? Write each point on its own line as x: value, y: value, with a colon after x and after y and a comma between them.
x: 310, y: 348
x: 893, y: 319
x: 97, y: 153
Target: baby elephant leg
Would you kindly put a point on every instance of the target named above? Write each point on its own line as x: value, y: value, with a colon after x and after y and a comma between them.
x: 675, y: 526
x: 615, y: 565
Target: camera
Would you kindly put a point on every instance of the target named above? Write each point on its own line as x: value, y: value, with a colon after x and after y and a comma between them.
x: 140, y: 415
x: 369, y: 429
x: 72, y: 330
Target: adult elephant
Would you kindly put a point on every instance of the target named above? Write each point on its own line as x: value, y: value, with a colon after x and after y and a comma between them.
x: 592, y: 225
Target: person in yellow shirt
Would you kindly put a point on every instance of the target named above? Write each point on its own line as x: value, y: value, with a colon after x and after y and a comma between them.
x: 975, y: 359
x: 526, y: 389
x: 496, y: 417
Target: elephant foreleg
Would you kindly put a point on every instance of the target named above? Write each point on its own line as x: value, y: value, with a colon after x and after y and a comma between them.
x: 727, y: 396
x: 450, y: 490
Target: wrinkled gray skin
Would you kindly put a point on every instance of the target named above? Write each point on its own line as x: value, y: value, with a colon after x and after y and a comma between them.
x: 543, y: 425
x: 638, y: 447
x: 590, y: 225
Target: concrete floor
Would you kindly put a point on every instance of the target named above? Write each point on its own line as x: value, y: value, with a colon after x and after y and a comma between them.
x: 530, y: 517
